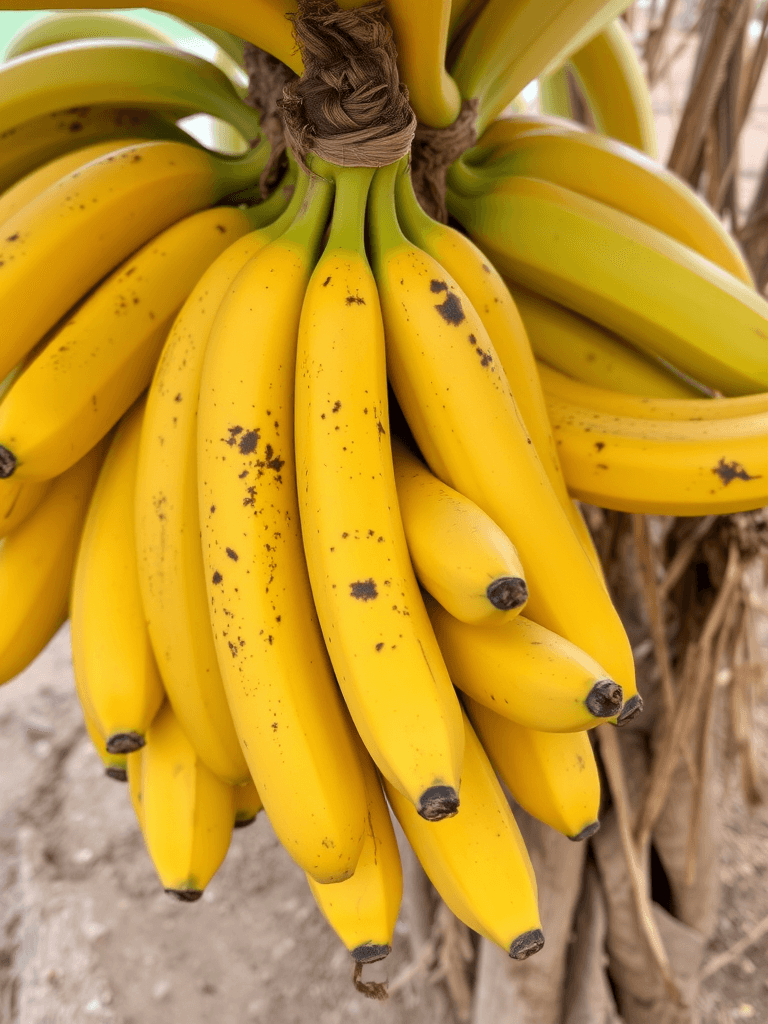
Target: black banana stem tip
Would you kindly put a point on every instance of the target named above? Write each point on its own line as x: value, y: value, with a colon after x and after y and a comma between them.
x: 116, y: 773
x: 124, y: 743
x: 244, y: 822
x: 604, y: 699
x: 185, y: 895
x: 507, y: 592
x: 7, y: 462
x: 370, y: 952
x: 438, y: 802
x: 586, y: 833
x: 631, y: 710
x: 527, y: 944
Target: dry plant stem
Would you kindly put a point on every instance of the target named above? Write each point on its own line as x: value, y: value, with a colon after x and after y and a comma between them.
x: 736, y: 951
x: 697, y: 666
x: 751, y: 76
x: 654, y: 607
x: 655, y: 38
x: 722, y: 186
x: 742, y: 712
x: 370, y: 989
x: 684, y: 555
x: 454, y: 955
x: 614, y: 770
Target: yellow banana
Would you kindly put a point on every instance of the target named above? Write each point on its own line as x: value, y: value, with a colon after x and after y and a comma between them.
x: 65, y: 26
x: 676, y: 468
x: 170, y: 559
x: 287, y: 711
x: 627, y: 276
x: 115, y: 766
x: 34, y: 142
x: 511, y: 42
x: 446, y: 376
x: 187, y: 813
x: 555, y: 94
x: 134, y: 772
x: 462, y: 13
x: 490, y: 297
x: 18, y: 499
x: 31, y: 185
x: 262, y: 22
x: 102, y: 357
x: 588, y: 352
x: 611, y: 173
x: 377, y: 631
x: 477, y: 860
x: 247, y: 804
x: 36, y: 562
x: 527, y: 673
x: 460, y: 555
x: 612, y: 80
x: 558, y: 386
x: 81, y: 227
x: 112, y: 656
x: 553, y: 776
x: 504, y: 131
x: 363, y: 909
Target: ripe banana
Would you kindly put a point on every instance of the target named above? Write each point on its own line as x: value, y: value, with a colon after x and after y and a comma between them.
x: 511, y: 43
x: 627, y: 276
x: 555, y: 94
x: 611, y: 173
x: 459, y: 554
x: 247, y: 804
x: 113, y: 660
x: 36, y: 562
x: 612, y: 80
x: 81, y: 227
x: 676, y: 468
x: 378, y: 634
x: 504, y: 131
x: 287, y: 711
x: 527, y: 673
x: 31, y: 185
x: 33, y: 143
x: 170, y: 558
x: 558, y: 386
x: 477, y: 860
x: 187, y: 813
x: 458, y: 403
x: 553, y: 776
x: 115, y: 765
x: 103, y: 356
x: 134, y: 771
x: 588, y: 352
x: 490, y: 297
x: 262, y: 22
x: 363, y: 909
x: 63, y: 27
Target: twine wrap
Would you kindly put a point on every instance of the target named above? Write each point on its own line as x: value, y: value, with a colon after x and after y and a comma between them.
x: 349, y: 106
x: 434, y: 150
x: 267, y: 77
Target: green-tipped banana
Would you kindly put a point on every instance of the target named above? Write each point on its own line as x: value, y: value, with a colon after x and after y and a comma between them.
x: 68, y: 25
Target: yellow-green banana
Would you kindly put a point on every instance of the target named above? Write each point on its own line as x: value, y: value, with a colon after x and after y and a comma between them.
x: 247, y: 804
x: 477, y: 860
x: 187, y: 812
x: 287, y: 711
x: 627, y: 276
x: 460, y: 555
x: 65, y: 26
x: 458, y: 402
x: 553, y: 776
x: 363, y: 909
x: 112, y: 656
x: 103, y: 356
x: 62, y: 243
x: 527, y: 673
x: 170, y: 558
x: 36, y: 563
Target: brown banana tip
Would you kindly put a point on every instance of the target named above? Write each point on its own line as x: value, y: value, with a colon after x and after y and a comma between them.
x: 185, y: 895
x: 604, y: 699
x: 507, y: 592
x: 116, y: 773
x: 586, y: 833
x: 124, y: 743
x: 631, y: 709
x: 370, y: 952
x: 438, y: 802
x: 7, y: 462
x: 244, y: 822
x: 527, y: 944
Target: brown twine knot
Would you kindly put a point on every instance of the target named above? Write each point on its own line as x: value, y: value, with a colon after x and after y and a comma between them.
x: 349, y: 107
x: 370, y: 989
x: 267, y: 77
x: 434, y: 150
